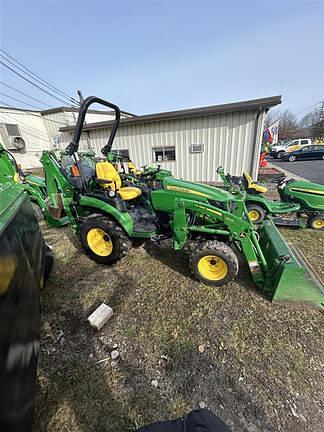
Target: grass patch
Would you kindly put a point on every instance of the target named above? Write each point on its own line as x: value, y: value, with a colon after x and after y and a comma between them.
x: 258, y: 362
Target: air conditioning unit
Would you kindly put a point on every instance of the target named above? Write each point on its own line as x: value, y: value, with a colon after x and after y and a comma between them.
x: 11, y: 138
x: 17, y: 143
x: 196, y: 148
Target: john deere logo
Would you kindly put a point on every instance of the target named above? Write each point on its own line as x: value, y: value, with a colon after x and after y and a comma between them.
x: 185, y: 190
x: 243, y: 235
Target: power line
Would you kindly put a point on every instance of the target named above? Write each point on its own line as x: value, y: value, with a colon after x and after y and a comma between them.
x: 307, y: 109
x: 34, y: 115
x: 38, y: 78
x: 30, y: 82
x: 12, y: 118
x: 20, y: 101
x: 28, y: 129
x: 25, y: 94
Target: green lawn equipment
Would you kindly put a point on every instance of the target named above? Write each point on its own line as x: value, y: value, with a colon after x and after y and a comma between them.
x: 303, y: 201
x: 25, y: 263
x: 108, y: 215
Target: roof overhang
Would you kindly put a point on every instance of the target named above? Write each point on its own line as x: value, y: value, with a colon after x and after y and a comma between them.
x: 250, y: 105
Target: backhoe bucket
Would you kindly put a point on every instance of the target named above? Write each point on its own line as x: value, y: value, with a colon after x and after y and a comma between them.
x: 288, y: 280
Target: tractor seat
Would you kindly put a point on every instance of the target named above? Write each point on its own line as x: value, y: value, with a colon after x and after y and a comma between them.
x: 251, y: 186
x: 105, y: 171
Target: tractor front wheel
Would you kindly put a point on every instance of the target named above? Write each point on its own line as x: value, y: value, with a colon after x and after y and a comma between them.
x: 316, y: 222
x: 104, y: 241
x: 256, y: 213
x: 213, y: 263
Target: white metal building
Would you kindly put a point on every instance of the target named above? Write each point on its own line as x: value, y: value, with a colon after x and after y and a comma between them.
x: 27, y: 133
x: 191, y: 143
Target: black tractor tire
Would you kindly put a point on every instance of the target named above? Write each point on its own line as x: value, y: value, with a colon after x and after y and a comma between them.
x: 204, y: 253
x: 38, y: 211
x: 280, y: 154
x: 316, y: 222
x: 292, y: 158
x: 112, y: 233
x: 258, y: 213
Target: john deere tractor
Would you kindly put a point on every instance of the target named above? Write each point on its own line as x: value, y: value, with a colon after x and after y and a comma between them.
x: 108, y: 215
x: 302, y: 201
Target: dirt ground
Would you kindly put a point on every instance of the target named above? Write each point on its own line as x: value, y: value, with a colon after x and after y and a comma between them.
x: 258, y: 366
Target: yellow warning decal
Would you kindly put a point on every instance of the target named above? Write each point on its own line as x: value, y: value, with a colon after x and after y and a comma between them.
x: 315, y: 192
x: 185, y: 190
x: 211, y: 210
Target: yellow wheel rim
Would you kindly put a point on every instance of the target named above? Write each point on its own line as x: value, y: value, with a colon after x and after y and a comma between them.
x: 254, y: 215
x: 99, y: 242
x: 212, y: 267
x: 318, y: 223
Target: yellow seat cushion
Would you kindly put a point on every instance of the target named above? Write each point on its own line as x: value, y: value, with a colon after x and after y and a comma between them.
x: 252, y: 185
x: 128, y: 193
x: 259, y: 188
x: 106, y: 171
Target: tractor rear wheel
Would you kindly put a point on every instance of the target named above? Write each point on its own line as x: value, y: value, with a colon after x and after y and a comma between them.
x: 316, y: 222
x: 213, y: 263
x: 38, y: 211
x: 104, y: 241
x: 256, y: 213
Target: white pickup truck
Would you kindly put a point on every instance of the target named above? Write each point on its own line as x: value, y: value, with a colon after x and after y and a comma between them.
x: 278, y: 150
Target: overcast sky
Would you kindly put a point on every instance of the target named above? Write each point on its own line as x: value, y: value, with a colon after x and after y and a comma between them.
x: 150, y: 56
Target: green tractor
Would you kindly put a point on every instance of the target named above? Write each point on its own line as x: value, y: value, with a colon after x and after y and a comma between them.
x: 303, y: 201
x: 108, y: 215
x: 25, y: 264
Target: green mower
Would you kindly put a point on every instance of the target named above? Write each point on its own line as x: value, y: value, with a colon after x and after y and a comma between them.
x: 302, y: 201
x: 108, y: 215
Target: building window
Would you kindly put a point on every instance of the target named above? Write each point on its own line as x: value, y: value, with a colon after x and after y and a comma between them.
x: 164, y: 154
x: 56, y: 142
x: 12, y: 129
x: 196, y: 148
x: 124, y: 152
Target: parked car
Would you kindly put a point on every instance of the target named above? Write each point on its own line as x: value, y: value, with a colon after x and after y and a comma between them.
x: 278, y: 150
x: 313, y: 151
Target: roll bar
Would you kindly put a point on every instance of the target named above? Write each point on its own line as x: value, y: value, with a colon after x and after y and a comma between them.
x: 74, y: 144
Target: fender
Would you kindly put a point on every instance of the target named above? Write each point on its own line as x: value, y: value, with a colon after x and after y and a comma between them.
x: 124, y: 219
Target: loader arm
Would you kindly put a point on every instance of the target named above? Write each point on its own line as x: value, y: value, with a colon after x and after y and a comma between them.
x: 273, y: 266
x: 235, y: 227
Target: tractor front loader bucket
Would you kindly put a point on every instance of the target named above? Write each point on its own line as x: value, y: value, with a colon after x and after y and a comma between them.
x: 287, y: 280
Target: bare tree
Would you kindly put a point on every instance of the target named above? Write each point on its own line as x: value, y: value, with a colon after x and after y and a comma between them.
x: 289, y: 127
x: 272, y: 116
x: 313, y: 123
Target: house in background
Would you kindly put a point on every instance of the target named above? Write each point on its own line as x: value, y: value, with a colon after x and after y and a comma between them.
x: 191, y: 143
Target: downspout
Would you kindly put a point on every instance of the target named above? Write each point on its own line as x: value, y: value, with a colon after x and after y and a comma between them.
x: 256, y: 146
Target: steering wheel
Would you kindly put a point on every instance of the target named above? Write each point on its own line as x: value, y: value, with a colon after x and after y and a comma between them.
x: 150, y: 173
x: 279, y: 179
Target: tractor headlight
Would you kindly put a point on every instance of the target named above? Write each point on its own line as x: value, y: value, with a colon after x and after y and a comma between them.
x: 112, y: 193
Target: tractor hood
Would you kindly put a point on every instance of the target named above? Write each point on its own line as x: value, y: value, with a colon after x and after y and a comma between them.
x: 196, y: 190
x: 307, y: 187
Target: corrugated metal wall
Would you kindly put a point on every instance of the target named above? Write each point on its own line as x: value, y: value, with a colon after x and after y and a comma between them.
x: 59, y: 119
x: 230, y: 139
